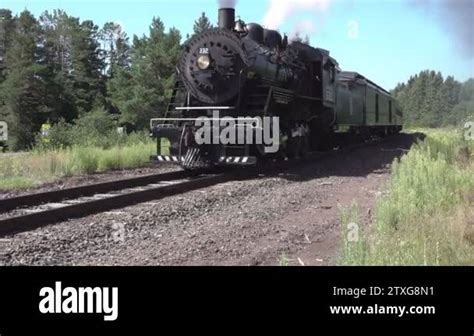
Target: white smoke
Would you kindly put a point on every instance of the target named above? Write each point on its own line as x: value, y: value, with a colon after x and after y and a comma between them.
x: 302, y: 29
x: 456, y: 18
x: 279, y: 11
x: 227, y: 3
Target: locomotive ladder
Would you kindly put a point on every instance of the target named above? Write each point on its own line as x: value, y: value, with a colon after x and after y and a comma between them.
x: 175, y: 101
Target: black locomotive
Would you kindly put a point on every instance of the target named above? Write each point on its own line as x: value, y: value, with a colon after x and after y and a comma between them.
x: 244, y: 94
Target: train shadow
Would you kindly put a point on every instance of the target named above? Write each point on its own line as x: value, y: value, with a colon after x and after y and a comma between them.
x: 359, y: 162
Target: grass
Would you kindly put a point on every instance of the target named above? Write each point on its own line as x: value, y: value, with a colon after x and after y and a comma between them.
x: 283, y: 260
x: 427, y: 215
x: 42, y: 166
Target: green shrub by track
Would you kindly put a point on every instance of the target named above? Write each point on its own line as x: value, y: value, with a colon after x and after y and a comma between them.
x: 427, y: 215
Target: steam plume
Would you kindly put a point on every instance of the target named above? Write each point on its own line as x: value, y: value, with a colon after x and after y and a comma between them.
x: 227, y: 3
x: 279, y: 11
x: 456, y: 17
x: 459, y: 22
x: 301, y: 29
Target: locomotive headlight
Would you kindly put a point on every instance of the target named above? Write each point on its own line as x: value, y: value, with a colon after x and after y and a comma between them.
x: 203, y: 62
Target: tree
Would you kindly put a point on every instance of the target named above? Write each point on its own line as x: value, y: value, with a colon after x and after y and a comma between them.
x: 87, y: 64
x: 464, y: 110
x: 116, y: 47
x: 466, y: 92
x: 75, y: 62
x: 143, y: 90
x: 461, y: 113
x: 56, y: 57
x: 429, y: 100
x: 433, y: 109
x: 57, y: 40
x: 59, y: 68
x: 202, y: 24
x: 6, y: 30
x: 449, y: 95
x: 23, y: 90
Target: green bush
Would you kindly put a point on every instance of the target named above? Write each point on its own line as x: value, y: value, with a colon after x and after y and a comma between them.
x: 97, y: 128
x: 426, y: 216
x: 60, y: 135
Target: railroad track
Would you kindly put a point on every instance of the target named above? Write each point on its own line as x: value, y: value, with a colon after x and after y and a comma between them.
x: 29, y: 212
x: 32, y: 211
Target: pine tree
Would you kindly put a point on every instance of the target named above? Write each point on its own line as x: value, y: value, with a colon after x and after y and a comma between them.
x: 142, y: 91
x: 466, y: 92
x: 464, y: 110
x: 88, y: 64
x: 450, y: 98
x: 23, y: 90
x: 115, y: 44
x: 429, y: 100
x: 57, y: 40
x: 6, y: 30
x: 75, y: 62
x: 56, y: 56
x: 432, y: 102
x: 202, y: 24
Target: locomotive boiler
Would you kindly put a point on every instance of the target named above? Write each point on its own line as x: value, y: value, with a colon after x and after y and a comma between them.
x: 245, y: 94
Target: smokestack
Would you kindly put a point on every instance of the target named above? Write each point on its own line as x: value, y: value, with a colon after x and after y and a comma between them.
x: 226, y: 18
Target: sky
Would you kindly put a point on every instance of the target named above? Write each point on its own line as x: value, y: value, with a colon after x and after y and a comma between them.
x: 385, y: 40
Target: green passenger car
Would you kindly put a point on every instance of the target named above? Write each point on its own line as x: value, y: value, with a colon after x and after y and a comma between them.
x: 362, y: 104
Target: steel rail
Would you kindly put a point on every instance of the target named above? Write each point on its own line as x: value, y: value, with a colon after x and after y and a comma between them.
x: 41, y: 218
x: 29, y: 200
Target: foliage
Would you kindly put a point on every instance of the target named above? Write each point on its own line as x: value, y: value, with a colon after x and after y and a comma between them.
x: 6, y: 31
x: 116, y: 48
x: 59, y: 69
x: 95, y: 129
x: 429, y: 100
x: 22, y: 99
x: 426, y: 217
x: 143, y: 90
x: 202, y: 24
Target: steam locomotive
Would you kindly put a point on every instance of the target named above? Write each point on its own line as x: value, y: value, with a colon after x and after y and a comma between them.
x: 244, y: 94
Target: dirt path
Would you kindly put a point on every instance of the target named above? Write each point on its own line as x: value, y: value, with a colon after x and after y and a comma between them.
x: 312, y: 233
x: 293, y: 216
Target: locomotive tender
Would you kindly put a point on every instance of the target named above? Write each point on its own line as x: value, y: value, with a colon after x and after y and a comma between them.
x: 231, y: 78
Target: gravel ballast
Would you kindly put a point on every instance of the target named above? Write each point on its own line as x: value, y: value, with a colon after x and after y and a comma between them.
x: 291, y: 218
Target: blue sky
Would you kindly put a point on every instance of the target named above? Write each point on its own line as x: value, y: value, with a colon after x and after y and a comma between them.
x: 386, y: 40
